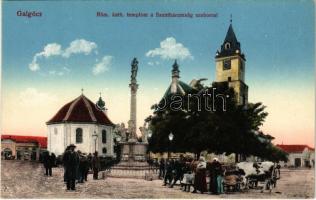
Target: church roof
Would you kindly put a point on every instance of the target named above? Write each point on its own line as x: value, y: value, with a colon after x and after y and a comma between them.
x: 80, y: 110
x: 234, y: 45
x: 179, y: 87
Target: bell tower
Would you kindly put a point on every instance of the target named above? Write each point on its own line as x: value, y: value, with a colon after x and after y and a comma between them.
x: 230, y: 66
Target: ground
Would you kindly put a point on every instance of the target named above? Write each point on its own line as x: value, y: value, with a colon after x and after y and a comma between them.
x: 25, y: 179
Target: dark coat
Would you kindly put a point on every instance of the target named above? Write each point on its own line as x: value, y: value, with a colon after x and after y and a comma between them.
x: 96, y: 163
x: 71, y: 162
x: 200, y: 180
x: 47, y: 160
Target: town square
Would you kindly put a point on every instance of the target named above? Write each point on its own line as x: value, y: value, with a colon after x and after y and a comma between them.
x: 155, y: 100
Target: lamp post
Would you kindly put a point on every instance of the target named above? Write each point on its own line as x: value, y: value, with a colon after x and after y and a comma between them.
x: 170, y: 136
x: 149, y: 134
x: 95, y: 137
x: 118, y: 139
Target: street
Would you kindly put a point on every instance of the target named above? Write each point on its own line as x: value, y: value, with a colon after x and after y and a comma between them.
x: 25, y: 179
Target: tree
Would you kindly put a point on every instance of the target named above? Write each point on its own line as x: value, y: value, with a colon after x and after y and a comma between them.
x: 225, y: 128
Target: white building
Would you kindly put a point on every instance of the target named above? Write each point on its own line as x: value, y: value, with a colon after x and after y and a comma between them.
x: 299, y: 155
x: 76, y: 123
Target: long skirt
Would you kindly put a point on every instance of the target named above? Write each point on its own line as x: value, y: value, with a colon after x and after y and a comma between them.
x: 200, y: 180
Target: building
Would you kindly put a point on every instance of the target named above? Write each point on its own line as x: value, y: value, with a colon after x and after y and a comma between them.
x: 22, y: 147
x: 230, y: 66
x: 83, y: 123
x: 299, y: 155
x: 177, y: 86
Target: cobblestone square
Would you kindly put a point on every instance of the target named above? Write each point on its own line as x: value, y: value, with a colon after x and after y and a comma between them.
x: 24, y: 179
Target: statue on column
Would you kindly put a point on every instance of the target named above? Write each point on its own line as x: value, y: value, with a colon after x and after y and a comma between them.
x: 134, y: 70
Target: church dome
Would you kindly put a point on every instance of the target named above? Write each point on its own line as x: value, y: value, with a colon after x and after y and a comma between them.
x: 80, y: 110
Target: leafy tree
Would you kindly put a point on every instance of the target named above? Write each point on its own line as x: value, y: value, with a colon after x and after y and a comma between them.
x: 209, y: 124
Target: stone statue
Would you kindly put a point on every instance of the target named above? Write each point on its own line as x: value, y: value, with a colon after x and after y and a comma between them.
x: 121, y: 131
x: 134, y: 69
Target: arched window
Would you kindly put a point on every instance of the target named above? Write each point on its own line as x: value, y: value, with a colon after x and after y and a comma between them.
x: 55, y: 131
x: 79, y: 135
x: 103, y: 136
x: 227, y: 45
x: 104, y: 150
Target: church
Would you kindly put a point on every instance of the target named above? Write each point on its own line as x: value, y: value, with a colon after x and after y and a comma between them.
x: 230, y: 69
x: 84, y: 124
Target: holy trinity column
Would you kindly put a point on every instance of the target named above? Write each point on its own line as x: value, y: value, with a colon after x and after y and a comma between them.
x: 134, y: 86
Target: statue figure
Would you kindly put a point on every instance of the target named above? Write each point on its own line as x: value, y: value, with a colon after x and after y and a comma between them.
x: 121, y: 131
x: 134, y: 69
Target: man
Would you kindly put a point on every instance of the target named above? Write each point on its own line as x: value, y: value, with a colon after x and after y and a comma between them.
x: 95, y: 165
x: 178, y: 170
x: 162, y: 168
x: 47, y: 161
x: 168, y: 174
x: 71, y: 162
x: 83, y: 168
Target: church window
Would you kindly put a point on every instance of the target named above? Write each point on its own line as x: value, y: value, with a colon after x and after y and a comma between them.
x: 55, y: 131
x: 104, y: 150
x: 226, y: 64
x: 103, y: 136
x: 229, y: 79
x: 227, y: 45
x: 79, y: 135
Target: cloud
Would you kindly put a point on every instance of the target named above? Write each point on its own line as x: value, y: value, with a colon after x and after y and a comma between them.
x: 54, y: 49
x: 170, y: 49
x: 151, y: 63
x: 80, y: 46
x: 103, y: 65
x: 31, y: 97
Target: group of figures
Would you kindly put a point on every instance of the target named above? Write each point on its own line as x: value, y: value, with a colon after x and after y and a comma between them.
x: 192, y: 172
x: 76, y: 165
x: 220, y: 178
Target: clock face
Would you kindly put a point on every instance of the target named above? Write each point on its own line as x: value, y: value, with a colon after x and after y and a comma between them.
x: 227, y: 64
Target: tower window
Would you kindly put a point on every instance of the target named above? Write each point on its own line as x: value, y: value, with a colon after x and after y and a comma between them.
x: 229, y: 79
x: 227, y: 64
x: 79, y: 135
x: 103, y: 136
x: 227, y: 45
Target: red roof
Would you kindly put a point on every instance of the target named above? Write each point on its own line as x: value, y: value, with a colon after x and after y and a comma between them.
x: 42, y: 141
x: 294, y: 148
x: 80, y: 110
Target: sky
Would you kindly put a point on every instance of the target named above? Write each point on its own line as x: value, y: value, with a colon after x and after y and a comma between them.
x: 47, y: 60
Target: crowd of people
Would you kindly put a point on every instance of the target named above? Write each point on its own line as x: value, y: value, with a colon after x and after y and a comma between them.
x: 76, y: 165
x: 190, y: 172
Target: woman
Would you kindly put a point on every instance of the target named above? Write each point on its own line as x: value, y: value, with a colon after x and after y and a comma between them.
x: 200, y: 176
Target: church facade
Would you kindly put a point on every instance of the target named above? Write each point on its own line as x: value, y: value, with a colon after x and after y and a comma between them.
x: 82, y: 123
x: 230, y: 66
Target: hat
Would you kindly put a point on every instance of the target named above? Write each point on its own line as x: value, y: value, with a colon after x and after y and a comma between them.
x: 72, y: 145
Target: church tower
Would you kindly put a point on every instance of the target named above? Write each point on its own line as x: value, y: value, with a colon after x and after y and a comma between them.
x: 230, y: 66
